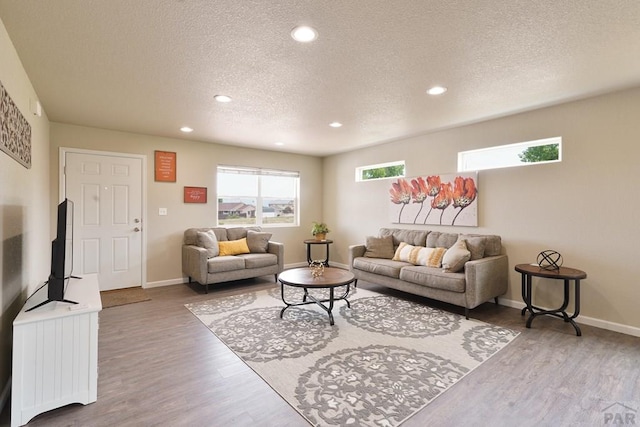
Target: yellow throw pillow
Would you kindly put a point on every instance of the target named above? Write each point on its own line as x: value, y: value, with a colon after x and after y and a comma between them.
x: 234, y: 247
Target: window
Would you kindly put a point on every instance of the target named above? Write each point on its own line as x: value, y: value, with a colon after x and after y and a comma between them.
x: 520, y: 154
x: 250, y: 196
x: 380, y: 171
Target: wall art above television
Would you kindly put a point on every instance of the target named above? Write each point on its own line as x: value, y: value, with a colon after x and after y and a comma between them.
x: 15, y: 130
x: 449, y: 199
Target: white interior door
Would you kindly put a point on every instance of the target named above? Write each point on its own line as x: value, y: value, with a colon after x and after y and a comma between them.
x: 108, y: 230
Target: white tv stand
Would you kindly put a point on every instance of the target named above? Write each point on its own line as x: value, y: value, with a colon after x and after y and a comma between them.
x: 55, y: 351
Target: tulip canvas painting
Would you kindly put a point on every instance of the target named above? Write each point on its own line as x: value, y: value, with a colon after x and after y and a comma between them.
x: 450, y: 199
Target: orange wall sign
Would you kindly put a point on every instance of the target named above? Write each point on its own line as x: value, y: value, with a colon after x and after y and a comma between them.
x: 195, y: 194
x: 165, y: 166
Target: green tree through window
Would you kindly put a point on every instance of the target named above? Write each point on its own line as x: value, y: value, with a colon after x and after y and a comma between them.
x: 542, y: 153
x: 380, y: 171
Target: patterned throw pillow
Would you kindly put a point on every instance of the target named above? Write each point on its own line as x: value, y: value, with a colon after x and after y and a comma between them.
x: 234, y: 247
x: 207, y: 239
x: 456, y: 256
x: 419, y: 255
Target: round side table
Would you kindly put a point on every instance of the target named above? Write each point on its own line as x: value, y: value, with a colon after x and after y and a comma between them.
x: 563, y: 273
x: 325, y: 242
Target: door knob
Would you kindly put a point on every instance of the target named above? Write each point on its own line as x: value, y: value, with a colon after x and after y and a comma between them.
x: 136, y: 229
x: 136, y: 220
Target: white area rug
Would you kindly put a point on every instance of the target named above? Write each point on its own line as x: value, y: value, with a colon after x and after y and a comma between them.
x: 383, y: 360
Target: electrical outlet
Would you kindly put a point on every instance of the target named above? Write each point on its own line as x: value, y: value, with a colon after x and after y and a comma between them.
x: 162, y: 211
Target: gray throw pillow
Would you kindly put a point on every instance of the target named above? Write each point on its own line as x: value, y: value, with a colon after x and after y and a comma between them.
x: 258, y: 242
x: 475, y: 245
x: 455, y: 257
x: 379, y: 247
x: 207, y: 240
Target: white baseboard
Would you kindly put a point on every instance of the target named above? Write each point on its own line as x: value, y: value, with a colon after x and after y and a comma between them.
x: 585, y: 320
x: 166, y: 282
x: 295, y: 265
x: 185, y: 279
x: 4, y: 397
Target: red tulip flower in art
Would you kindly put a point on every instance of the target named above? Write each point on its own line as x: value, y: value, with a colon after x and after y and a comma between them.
x: 400, y: 194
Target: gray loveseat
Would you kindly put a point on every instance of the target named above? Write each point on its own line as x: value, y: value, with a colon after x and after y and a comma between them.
x: 466, y: 281
x: 204, y: 259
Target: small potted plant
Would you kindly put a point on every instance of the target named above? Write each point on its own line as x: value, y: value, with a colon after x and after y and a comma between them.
x: 319, y: 230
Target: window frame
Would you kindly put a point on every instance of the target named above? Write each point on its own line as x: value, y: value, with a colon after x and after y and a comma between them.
x: 506, y: 148
x: 360, y: 169
x: 259, y: 197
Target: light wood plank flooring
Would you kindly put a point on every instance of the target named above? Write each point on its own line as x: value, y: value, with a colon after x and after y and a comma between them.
x: 160, y: 366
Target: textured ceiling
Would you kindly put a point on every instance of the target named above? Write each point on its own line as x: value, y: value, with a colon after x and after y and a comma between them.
x: 152, y: 66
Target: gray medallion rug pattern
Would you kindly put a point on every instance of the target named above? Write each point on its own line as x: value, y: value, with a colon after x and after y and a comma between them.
x: 383, y: 360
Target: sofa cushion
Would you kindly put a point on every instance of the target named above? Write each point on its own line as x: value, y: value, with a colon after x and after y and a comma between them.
x: 412, y: 237
x: 456, y: 256
x: 237, y: 233
x: 379, y: 247
x: 258, y: 241
x: 475, y: 245
x: 191, y: 234
x: 207, y: 239
x: 419, y: 255
x: 438, y: 239
x: 254, y: 260
x: 434, y: 278
x: 234, y: 247
x: 383, y: 267
x: 220, y: 264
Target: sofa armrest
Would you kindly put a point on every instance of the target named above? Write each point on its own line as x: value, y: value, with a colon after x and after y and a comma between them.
x: 277, y: 249
x: 355, y: 251
x: 194, y: 263
x: 486, y: 278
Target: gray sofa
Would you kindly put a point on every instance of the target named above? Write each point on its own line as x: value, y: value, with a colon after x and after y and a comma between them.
x: 203, y: 261
x: 482, y: 278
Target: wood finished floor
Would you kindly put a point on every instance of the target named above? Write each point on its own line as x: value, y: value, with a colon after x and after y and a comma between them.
x: 160, y: 366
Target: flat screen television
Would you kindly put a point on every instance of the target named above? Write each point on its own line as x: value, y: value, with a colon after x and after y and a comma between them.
x: 61, y: 255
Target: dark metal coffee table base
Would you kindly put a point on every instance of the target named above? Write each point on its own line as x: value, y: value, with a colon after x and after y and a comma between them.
x: 331, y: 279
x: 320, y: 302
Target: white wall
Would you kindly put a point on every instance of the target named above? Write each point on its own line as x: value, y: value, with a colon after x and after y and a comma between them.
x: 196, y: 166
x: 585, y: 207
x: 24, y: 206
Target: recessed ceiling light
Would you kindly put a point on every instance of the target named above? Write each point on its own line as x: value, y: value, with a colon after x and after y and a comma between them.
x: 335, y: 124
x: 222, y: 98
x: 304, y: 34
x: 186, y: 129
x: 437, y: 90
x: 279, y: 143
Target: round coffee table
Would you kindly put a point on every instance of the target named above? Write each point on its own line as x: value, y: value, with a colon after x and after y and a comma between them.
x: 331, y: 279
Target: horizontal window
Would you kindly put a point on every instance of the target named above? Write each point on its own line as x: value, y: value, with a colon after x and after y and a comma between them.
x: 251, y: 196
x: 520, y: 154
x: 380, y: 171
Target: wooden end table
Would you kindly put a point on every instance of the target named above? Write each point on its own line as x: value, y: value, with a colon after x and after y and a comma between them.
x: 563, y: 273
x: 325, y: 242
x: 331, y: 279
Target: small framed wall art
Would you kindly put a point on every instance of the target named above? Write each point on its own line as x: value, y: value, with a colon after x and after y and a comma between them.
x: 195, y: 194
x: 165, y: 166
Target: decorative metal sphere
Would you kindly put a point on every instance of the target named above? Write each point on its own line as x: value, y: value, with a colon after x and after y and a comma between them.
x: 549, y: 260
